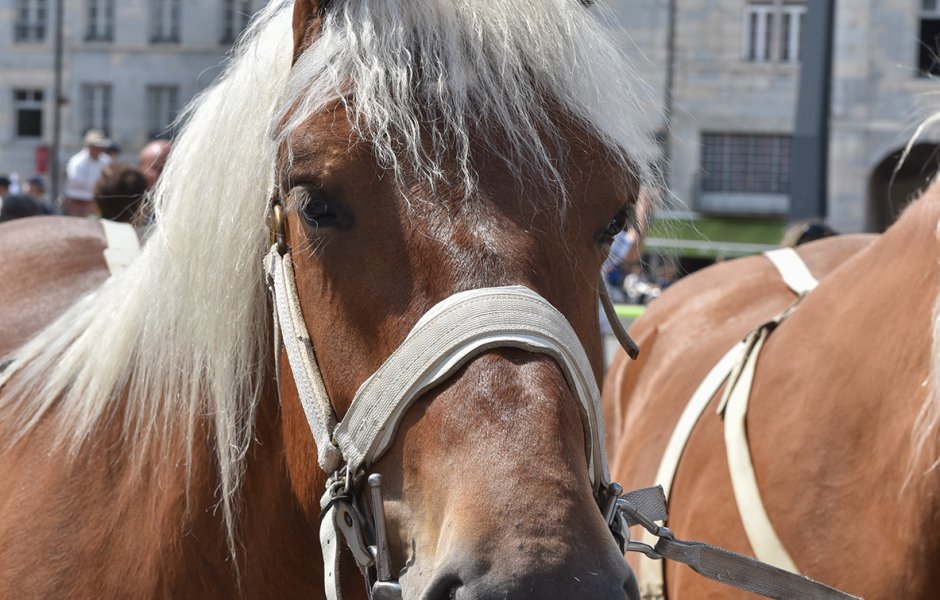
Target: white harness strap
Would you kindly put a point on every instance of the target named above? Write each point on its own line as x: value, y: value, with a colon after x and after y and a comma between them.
x: 123, y: 245
x: 793, y: 270
x: 740, y: 363
x: 761, y: 535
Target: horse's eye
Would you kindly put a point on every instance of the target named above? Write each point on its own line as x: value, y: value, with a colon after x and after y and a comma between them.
x: 617, y: 224
x: 319, y: 210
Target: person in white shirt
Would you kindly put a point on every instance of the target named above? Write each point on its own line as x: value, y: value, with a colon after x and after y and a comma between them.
x: 82, y: 172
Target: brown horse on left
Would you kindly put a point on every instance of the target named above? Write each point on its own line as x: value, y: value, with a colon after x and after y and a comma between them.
x: 48, y: 262
x: 150, y: 445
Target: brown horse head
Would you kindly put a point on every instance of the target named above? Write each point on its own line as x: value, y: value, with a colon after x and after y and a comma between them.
x: 404, y: 184
x: 421, y: 151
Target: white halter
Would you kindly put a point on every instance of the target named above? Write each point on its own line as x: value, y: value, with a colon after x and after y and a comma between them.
x: 452, y: 333
x: 447, y: 337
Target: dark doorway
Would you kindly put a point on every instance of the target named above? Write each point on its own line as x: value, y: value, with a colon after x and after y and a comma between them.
x: 892, y: 188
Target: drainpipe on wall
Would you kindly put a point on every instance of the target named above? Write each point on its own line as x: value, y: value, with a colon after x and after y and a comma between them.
x: 54, y: 158
x: 809, y: 165
x: 668, y: 95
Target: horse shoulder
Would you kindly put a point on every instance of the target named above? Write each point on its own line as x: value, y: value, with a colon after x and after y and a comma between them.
x: 692, y: 326
x: 838, y: 392
x: 48, y: 263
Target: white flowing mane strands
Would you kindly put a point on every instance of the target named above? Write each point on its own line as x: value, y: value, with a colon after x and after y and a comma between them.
x: 927, y: 423
x: 184, y: 333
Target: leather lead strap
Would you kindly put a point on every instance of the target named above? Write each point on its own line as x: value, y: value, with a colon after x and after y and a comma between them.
x: 645, y: 506
x: 626, y: 342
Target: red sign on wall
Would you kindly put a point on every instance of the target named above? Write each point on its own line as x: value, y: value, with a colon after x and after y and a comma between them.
x: 42, y: 159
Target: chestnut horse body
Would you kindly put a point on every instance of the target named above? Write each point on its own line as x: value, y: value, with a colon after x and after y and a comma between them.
x: 842, y: 420
x: 152, y: 444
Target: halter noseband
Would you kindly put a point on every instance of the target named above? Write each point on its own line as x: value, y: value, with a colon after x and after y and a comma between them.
x: 448, y: 336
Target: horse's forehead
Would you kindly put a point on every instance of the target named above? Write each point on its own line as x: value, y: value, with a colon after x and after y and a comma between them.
x: 326, y: 145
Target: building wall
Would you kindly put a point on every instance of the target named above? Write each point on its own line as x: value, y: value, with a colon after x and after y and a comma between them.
x: 130, y: 63
x: 877, y: 96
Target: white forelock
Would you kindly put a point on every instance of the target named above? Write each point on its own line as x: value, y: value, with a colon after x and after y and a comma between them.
x: 419, y: 77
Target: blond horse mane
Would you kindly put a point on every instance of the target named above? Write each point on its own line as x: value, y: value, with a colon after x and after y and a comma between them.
x: 927, y: 423
x: 184, y: 332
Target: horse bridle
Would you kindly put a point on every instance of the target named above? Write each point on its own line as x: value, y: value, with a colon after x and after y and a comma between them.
x: 450, y: 334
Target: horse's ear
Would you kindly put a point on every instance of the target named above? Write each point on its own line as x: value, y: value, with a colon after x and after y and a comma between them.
x: 308, y: 15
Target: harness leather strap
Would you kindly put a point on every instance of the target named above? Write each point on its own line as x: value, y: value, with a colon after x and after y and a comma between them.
x: 761, y: 534
x: 444, y: 339
x: 643, y: 507
x: 329, y: 544
x: 746, y: 573
x: 740, y: 363
x: 793, y: 270
x: 651, y: 572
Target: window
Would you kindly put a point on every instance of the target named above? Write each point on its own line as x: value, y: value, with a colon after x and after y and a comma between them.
x: 165, y: 21
x: 745, y: 173
x: 928, y: 62
x: 100, y: 20
x: 759, y: 29
x: 96, y: 107
x: 235, y: 16
x: 30, y: 21
x: 162, y: 105
x: 773, y: 31
x: 793, y: 19
x: 27, y: 110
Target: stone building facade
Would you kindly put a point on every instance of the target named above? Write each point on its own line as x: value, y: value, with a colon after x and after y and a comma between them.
x: 129, y: 67
x: 735, y: 73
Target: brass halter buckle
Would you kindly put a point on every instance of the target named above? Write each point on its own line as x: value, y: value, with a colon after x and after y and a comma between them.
x: 276, y: 224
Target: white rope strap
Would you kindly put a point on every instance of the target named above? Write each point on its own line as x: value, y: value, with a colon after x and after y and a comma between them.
x: 449, y: 335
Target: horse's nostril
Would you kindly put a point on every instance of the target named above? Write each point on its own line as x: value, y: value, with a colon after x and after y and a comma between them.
x: 443, y: 588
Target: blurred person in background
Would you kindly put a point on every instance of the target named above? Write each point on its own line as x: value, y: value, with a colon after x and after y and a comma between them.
x: 119, y: 194
x: 4, y: 186
x: 113, y: 151
x: 36, y: 189
x: 18, y: 206
x: 82, y: 173
x: 152, y: 159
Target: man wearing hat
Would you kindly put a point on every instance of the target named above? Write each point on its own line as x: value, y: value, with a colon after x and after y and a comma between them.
x: 81, y: 174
